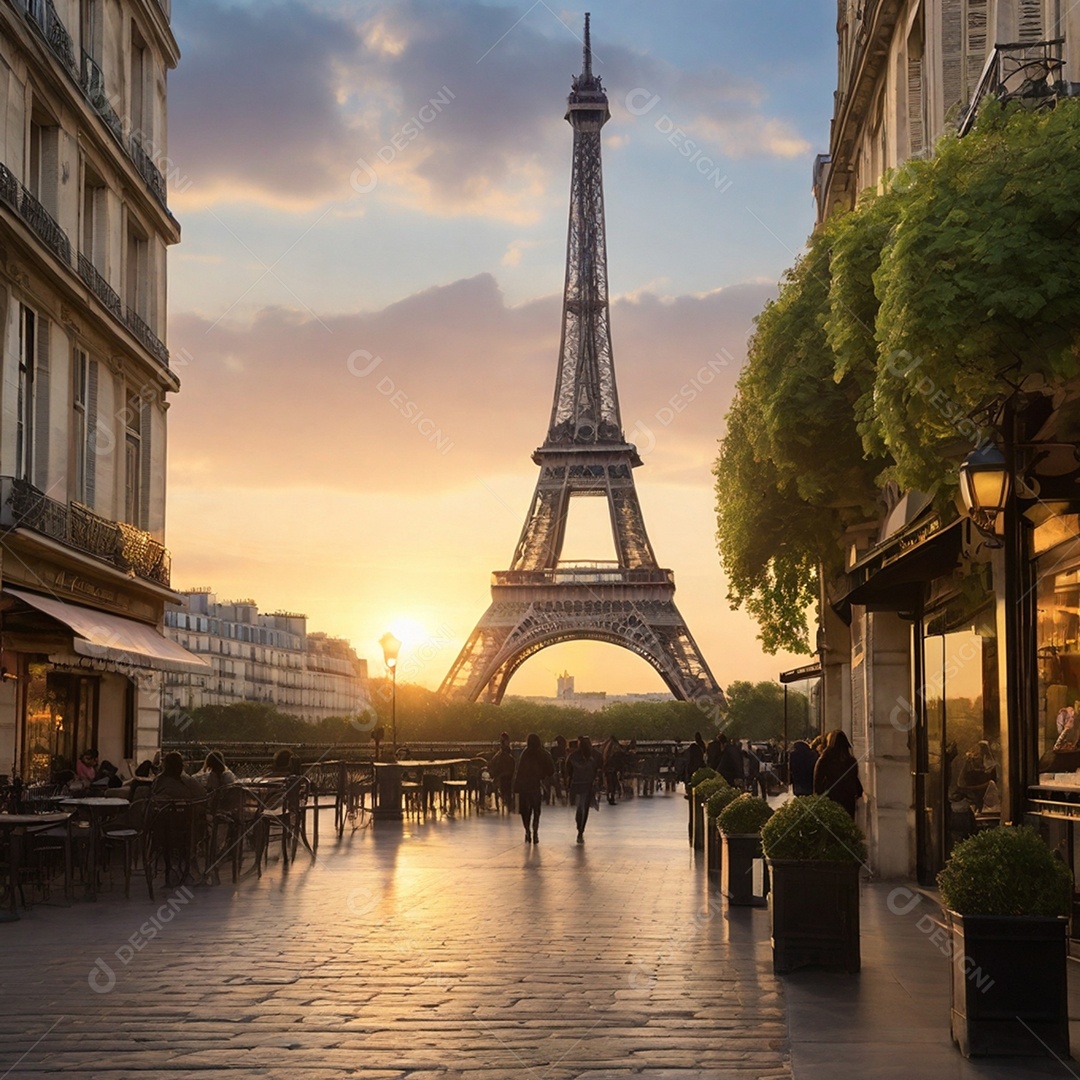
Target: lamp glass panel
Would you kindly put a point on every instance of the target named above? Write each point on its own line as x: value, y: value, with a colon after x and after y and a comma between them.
x: 990, y: 488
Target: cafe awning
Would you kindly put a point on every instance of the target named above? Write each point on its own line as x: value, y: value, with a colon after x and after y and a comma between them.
x: 113, y: 638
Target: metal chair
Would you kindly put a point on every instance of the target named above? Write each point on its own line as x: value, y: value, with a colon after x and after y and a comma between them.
x: 174, y: 831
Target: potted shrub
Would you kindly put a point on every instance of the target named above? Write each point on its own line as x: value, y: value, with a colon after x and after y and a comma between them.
x: 814, y: 851
x: 1007, y: 898
x: 717, y: 793
x: 696, y: 824
x: 740, y: 824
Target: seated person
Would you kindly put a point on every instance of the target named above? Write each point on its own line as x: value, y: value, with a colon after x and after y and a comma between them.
x: 174, y: 783
x: 285, y: 763
x: 86, y: 768
x: 214, y: 775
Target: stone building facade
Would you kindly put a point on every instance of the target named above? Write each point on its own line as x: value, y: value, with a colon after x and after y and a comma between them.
x: 84, y: 378
x: 264, y: 658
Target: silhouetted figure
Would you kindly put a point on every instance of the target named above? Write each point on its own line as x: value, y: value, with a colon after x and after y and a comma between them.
x: 582, y: 768
x: 534, y: 768
x: 837, y: 772
x: 501, y: 768
x: 801, y: 762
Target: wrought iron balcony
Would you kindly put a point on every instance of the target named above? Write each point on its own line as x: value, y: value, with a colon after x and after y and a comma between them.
x: 100, y: 287
x: 93, y: 84
x: 34, y: 214
x: 122, y: 546
x: 42, y: 14
x: 147, y: 336
x: 149, y: 172
x: 1028, y: 72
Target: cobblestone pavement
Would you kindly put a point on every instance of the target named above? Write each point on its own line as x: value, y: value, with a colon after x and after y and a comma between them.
x: 447, y: 950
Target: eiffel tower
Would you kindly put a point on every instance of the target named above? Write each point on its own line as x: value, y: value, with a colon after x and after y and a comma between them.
x: 541, y: 600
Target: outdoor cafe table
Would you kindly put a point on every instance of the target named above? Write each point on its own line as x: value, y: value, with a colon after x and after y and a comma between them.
x: 388, y: 789
x: 259, y: 783
x: 10, y: 824
x: 99, y: 809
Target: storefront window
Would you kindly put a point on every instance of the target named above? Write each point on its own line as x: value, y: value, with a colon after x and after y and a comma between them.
x: 963, y: 722
x: 61, y: 722
x: 1058, y: 631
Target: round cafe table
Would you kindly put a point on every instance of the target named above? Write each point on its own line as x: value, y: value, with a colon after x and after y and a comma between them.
x: 99, y: 809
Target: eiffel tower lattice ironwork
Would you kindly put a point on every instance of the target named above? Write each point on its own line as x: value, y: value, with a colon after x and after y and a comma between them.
x: 540, y: 600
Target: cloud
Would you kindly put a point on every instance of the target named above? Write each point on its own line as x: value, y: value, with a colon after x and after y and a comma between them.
x: 441, y: 388
x: 445, y: 108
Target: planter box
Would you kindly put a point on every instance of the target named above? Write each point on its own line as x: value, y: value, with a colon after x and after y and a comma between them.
x: 714, y: 852
x: 1009, y: 985
x: 815, y: 915
x: 745, y: 878
x: 697, y: 823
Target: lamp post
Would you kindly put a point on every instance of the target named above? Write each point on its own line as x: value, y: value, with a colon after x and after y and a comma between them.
x: 391, y: 647
x: 989, y: 489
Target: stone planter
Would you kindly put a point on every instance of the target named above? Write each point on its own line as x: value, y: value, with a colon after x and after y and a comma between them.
x: 714, y: 853
x: 745, y: 875
x: 1009, y: 985
x: 815, y: 915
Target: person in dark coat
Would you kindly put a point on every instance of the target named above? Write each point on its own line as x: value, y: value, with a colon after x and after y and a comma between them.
x: 534, y: 768
x: 695, y: 759
x: 501, y: 768
x: 713, y: 749
x: 582, y: 771
x: 801, y: 762
x: 731, y: 763
x: 837, y: 772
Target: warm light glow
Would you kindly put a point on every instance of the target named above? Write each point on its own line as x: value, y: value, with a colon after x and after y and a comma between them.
x: 390, y: 647
x: 411, y: 632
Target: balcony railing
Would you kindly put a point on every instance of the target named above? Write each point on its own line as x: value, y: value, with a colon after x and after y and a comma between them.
x: 1028, y: 72
x: 585, y: 574
x: 43, y: 15
x: 100, y: 287
x: 34, y: 214
x: 93, y: 84
x: 149, y: 172
x: 153, y: 343
x: 122, y: 546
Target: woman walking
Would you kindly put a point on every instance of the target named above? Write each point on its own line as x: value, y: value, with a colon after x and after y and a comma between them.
x: 582, y: 769
x: 534, y: 768
x: 836, y: 773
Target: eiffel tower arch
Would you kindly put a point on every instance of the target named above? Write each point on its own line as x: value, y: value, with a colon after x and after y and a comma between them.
x: 542, y: 600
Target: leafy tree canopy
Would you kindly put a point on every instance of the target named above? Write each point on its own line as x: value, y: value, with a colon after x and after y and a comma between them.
x: 891, y: 342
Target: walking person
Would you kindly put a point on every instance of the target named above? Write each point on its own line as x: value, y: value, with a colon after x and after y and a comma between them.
x: 535, y: 768
x: 837, y: 772
x: 582, y: 770
x: 501, y: 768
x: 801, y: 763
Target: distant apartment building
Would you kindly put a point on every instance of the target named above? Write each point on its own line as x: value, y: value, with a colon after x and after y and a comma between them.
x: 84, y: 377
x: 262, y: 658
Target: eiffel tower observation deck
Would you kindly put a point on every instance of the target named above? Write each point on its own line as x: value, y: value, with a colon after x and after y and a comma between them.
x: 543, y: 600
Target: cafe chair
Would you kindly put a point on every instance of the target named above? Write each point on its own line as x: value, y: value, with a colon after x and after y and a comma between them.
x: 174, y: 831
x: 126, y: 832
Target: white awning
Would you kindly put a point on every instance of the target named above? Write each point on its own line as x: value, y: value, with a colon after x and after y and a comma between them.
x: 114, y: 638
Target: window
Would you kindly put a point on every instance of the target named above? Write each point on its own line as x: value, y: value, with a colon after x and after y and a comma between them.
x: 92, y: 226
x: 139, y: 68
x: 80, y: 373
x: 137, y: 271
x: 42, y: 159
x: 90, y: 28
x: 133, y: 460
x: 25, y: 406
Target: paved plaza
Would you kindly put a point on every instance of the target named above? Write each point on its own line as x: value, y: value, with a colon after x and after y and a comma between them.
x: 450, y: 949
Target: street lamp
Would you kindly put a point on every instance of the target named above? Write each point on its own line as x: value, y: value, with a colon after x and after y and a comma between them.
x: 985, y: 486
x: 391, y: 647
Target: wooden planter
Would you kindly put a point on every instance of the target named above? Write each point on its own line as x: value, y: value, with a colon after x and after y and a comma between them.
x: 815, y: 915
x: 745, y: 876
x: 1009, y: 985
x: 714, y: 852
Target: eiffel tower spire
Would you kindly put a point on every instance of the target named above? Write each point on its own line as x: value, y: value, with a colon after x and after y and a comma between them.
x: 542, y: 600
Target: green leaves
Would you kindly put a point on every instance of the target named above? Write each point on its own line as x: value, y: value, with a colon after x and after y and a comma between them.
x: 1006, y: 871
x: 813, y: 827
x: 892, y: 340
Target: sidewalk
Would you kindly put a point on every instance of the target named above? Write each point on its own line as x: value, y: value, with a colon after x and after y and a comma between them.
x: 450, y: 950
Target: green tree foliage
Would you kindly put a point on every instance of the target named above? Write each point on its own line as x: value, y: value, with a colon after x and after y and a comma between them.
x: 891, y: 342
x: 756, y: 711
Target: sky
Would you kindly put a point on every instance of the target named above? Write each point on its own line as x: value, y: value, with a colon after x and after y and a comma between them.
x: 365, y: 306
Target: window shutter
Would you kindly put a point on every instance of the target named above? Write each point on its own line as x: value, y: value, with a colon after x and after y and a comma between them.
x: 146, y: 449
x: 952, y: 52
x: 916, y: 121
x: 977, y: 24
x: 41, y: 407
x: 91, y: 431
x: 1030, y: 15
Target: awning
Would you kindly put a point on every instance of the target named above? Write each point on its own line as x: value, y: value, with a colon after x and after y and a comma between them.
x: 114, y: 638
x: 893, y: 575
